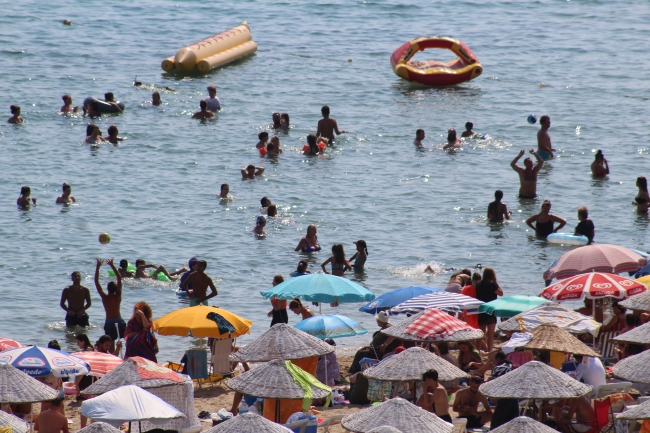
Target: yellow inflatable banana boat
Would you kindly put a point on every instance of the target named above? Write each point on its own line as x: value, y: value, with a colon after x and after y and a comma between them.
x: 213, y: 52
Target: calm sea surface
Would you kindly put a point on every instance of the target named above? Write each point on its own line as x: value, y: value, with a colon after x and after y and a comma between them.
x: 155, y: 193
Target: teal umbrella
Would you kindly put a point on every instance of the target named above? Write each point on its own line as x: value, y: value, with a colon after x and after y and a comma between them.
x: 510, y: 306
x: 320, y: 288
x: 333, y: 326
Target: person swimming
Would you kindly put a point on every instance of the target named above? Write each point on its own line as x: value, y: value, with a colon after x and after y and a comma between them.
x: 155, y: 99
x: 263, y: 137
x: 65, y: 198
x: 468, y: 133
x: 260, y: 223
x: 419, y: 136
x: 95, y: 136
x: 276, y: 121
x: 24, y: 199
x: 312, y: 147
x: 67, y: 105
x: 113, y: 135
x: 496, y: 210
x: 599, y: 168
x: 224, y: 194
x: 309, y: 242
x: 204, y: 113
x: 527, y: 175
x: 15, y: 115
x: 452, y: 141
x: 301, y: 269
x: 284, y: 122
x: 641, y: 200
x: 545, y: 221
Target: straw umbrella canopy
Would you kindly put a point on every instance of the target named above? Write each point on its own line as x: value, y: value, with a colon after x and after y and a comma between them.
x: 397, y: 413
x: 17, y: 424
x: 411, y: 364
x: 19, y: 387
x: 99, y: 427
x: 634, y: 368
x: 641, y: 411
x: 273, y: 380
x: 247, y: 422
x: 399, y: 332
x: 638, y: 335
x: 523, y: 424
x: 534, y: 380
x: 282, y: 341
x: 548, y: 336
x: 637, y: 302
x: 551, y: 312
x: 384, y: 429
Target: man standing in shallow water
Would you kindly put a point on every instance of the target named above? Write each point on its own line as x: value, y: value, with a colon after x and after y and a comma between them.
x: 544, y: 147
x: 528, y: 175
x: 111, y: 299
x: 327, y: 126
x: 78, y: 301
x: 200, y: 282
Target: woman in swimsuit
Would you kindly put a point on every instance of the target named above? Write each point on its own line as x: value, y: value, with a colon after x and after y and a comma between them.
x: 468, y: 357
x: 284, y: 122
x: 15, y: 114
x: 338, y: 261
x: 545, y: 221
x: 301, y: 270
x: 65, y: 197
x: 617, y: 322
x: 641, y: 200
x: 360, y: 256
x: 95, y: 136
x: 599, y: 168
x: 297, y: 308
x: 309, y: 243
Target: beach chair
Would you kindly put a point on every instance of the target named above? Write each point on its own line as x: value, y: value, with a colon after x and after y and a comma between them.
x: 299, y: 426
x: 607, y: 346
x: 336, y: 419
x: 604, y: 415
x: 612, y: 388
x: 197, y: 364
x: 460, y: 425
x: 220, y: 361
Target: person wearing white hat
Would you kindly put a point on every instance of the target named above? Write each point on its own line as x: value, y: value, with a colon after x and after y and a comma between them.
x: 377, y: 347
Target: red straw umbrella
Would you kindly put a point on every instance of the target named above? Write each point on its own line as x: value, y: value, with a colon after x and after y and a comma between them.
x: 6, y: 344
x: 435, y: 324
x: 100, y: 363
x: 593, y: 285
x: 596, y: 258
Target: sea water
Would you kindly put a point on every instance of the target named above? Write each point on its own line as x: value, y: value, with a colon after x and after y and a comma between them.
x: 155, y: 192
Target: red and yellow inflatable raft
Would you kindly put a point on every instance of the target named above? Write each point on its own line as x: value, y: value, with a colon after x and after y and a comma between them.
x: 432, y: 72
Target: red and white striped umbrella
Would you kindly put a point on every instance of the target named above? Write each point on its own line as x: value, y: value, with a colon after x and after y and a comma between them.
x: 596, y: 258
x: 6, y: 344
x: 435, y: 324
x: 594, y: 285
x: 100, y: 363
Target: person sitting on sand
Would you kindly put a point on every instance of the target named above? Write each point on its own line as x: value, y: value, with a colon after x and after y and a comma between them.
x: 155, y: 99
x: 582, y: 408
x: 15, y: 114
x: 545, y: 221
x: 200, y: 281
x: 599, y: 168
x: 327, y: 126
x: 204, y: 113
x: 66, y: 198
x: 419, y: 136
x: 23, y: 198
x: 52, y: 420
x: 67, y: 105
x: 466, y: 404
x: 224, y: 194
x: 95, y: 136
x: 250, y: 171
x: 452, y: 141
x: 527, y: 175
x: 113, y: 135
x: 497, y: 211
x: 434, y: 396
x: 468, y: 133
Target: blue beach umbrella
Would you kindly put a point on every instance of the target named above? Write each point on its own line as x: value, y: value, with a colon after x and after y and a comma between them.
x: 332, y: 326
x: 40, y: 361
x: 510, y: 306
x: 396, y: 297
x: 320, y: 288
x: 446, y: 301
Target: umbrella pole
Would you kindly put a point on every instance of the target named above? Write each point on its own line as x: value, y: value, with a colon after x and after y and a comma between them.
x: 139, y: 426
x: 130, y: 427
x: 593, y: 316
x: 325, y: 360
x: 31, y: 417
x: 277, y: 410
x: 117, y: 329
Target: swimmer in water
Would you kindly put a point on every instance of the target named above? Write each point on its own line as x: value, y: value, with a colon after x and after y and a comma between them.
x: 272, y: 149
x: 113, y: 135
x: 276, y: 121
x: 497, y: 211
x: 284, y: 122
x: 24, y: 199
x: 275, y: 140
x: 452, y: 141
x: 65, y: 198
x: 109, y: 97
x: 91, y: 109
x: 260, y: 223
x: 141, y: 267
x: 155, y: 99
x: 419, y: 136
x: 204, y: 113
x: 263, y: 137
x: 327, y: 126
x: 214, y: 104
x: 641, y: 200
x: 225, y: 193
x: 339, y: 263
x: 312, y: 147
x: 67, y: 105
x: 15, y: 114
x: 359, y: 256
x: 265, y: 202
x: 250, y: 171
x: 95, y: 136
x: 309, y: 242
x: 586, y: 226
x: 545, y: 221
x: 468, y: 130
x: 599, y: 168
x: 544, y: 147
x: 527, y: 175
x: 272, y: 211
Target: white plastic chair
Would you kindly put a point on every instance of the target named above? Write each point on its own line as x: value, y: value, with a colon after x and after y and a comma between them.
x: 336, y: 419
x: 612, y: 388
x: 460, y: 425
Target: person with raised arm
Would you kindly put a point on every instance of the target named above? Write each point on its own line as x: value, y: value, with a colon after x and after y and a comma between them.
x: 114, y: 325
x: 528, y: 174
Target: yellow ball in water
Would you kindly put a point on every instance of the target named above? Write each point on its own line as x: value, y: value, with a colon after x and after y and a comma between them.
x: 104, y: 238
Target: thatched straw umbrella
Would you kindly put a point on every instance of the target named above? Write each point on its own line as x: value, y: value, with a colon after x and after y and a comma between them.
x: 634, y: 368
x: 534, y: 380
x: 396, y: 413
x: 548, y: 336
x: 99, y: 427
x: 411, y: 364
x: 641, y: 411
x: 384, y: 429
x: 17, y: 424
x: 551, y: 312
x: 274, y: 380
x: 282, y: 342
x: 637, y: 302
x: 639, y: 335
x: 247, y: 422
x: 523, y: 424
x: 19, y: 387
x: 399, y: 332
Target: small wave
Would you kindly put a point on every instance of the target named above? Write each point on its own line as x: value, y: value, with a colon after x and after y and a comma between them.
x: 418, y: 271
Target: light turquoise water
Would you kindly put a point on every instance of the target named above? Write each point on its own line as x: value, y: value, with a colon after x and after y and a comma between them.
x: 155, y: 193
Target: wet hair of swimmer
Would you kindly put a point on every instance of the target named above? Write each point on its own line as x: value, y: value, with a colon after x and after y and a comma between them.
x: 469, y: 126
x: 325, y: 111
x: 276, y: 117
x: 285, y: 116
x: 451, y: 135
x: 111, y: 287
x: 363, y: 245
x: 224, y: 185
x: 599, y: 155
x: 338, y: 252
x: 108, y: 96
x: 250, y: 167
x: 270, y: 147
x: 25, y: 190
x: 64, y: 97
x: 90, y: 128
x: 112, y: 130
x: 272, y: 210
x: 65, y: 186
x: 265, y: 201
x: 278, y: 279
x: 203, y: 104
x: 642, y: 183
x: 498, y: 195
x: 124, y: 263
x: 262, y: 135
x: 302, y: 266
x: 15, y: 109
x: 311, y: 141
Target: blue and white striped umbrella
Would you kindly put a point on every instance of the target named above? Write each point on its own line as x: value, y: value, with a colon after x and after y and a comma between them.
x: 446, y: 301
x: 332, y: 326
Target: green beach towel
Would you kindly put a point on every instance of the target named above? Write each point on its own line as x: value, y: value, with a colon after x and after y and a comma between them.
x: 306, y: 381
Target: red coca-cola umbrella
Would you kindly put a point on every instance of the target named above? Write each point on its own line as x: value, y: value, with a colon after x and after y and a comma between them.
x: 594, y: 285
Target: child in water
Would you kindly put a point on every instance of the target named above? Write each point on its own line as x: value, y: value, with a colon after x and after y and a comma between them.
x: 360, y: 256
x: 259, y: 225
x: 15, y: 111
x: 67, y: 105
x: 468, y: 130
x: 23, y: 199
x: 112, y: 135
